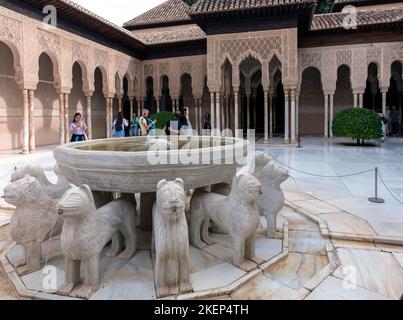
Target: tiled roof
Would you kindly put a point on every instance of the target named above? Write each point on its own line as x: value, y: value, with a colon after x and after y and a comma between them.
x: 211, y: 6
x: 190, y: 33
x: 168, y: 12
x: 364, y: 18
x: 339, y: 4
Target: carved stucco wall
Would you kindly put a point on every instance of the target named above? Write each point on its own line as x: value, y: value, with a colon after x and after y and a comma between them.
x: 28, y: 38
x: 262, y: 45
x: 174, y: 68
x: 357, y: 57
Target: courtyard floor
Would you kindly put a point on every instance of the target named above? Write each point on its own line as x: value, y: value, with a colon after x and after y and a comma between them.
x: 337, y: 245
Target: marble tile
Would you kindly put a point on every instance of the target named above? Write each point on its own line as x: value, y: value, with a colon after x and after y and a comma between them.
x: 335, y: 289
x: 354, y: 244
x: 317, y: 207
x: 295, y: 270
x: 126, y: 291
x: 216, y: 277
x: 263, y: 225
x: 376, y: 271
x: 43, y: 280
x: 264, y: 288
x: 4, y: 218
x: 309, y: 242
x: 16, y: 254
x: 200, y: 260
x: 399, y: 258
x: 268, y: 248
x: 223, y: 239
x: 389, y: 247
x: 298, y: 222
x: 109, y: 266
x: 143, y: 240
x: 6, y: 292
x: 219, y: 251
x: 390, y: 229
x: 138, y: 269
x: 346, y: 223
x: 292, y: 196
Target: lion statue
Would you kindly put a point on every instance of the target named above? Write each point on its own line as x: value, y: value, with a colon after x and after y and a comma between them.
x: 237, y: 214
x: 171, y: 239
x: 33, y: 169
x: 272, y: 201
x: 86, y: 231
x: 34, y: 220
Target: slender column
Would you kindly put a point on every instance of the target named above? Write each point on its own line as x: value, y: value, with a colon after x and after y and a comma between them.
x: 326, y: 124
x: 331, y: 116
x: 108, y: 120
x: 297, y: 115
x: 236, y: 111
x: 270, y: 100
x: 196, y: 113
x: 110, y: 115
x: 66, y: 117
x: 266, y: 116
x: 212, y: 106
x: 286, y: 117
x: 293, y: 117
x: 158, y: 104
x: 200, y: 115
x: 247, y: 111
x: 218, y: 111
x: 384, y: 95
x: 131, y: 100
x: 62, y: 134
x: 355, y: 95
x: 89, y: 114
x: 139, y: 107
x: 32, y: 141
x: 25, y: 122
x: 274, y: 114
x: 361, y: 100
x: 254, y: 109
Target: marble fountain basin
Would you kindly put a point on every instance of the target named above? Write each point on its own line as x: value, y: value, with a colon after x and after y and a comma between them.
x: 137, y: 164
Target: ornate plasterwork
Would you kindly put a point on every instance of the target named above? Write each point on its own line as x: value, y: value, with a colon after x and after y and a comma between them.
x: 186, y: 67
x: 310, y: 59
x: 148, y: 70
x: 80, y: 52
x: 374, y: 55
x: 344, y: 57
x: 49, y: 42
x: 11, y: 31
x: 101, y: 58
x: 164, y: 68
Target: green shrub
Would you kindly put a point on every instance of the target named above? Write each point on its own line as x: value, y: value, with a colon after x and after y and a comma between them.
x: 357, y: 123
x: 163, y: 118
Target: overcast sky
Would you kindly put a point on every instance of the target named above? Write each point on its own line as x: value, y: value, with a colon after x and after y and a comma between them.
x: 118, y: 11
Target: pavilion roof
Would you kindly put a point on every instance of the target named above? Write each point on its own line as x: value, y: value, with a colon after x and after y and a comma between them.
x: 338, y: 5
x: 331, y: 21
x: 213, y: 6
x: 168, y: 13
x: 190, y: 33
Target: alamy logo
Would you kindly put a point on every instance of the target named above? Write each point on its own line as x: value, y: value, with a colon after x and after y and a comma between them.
x: 49, y: 281
x: 350, y: 20
x: 50, y: 20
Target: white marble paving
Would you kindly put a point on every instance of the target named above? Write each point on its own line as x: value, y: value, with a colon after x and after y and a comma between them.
x: 376, y: 271
x: 219, y: 276
x: 126, y: 291
x: 4, y: 218
x: 335, y: 289
x: 306, y: 242
x: 399, y: 258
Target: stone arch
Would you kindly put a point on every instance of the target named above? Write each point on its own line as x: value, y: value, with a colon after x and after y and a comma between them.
x: 10, y: 99
x: 46, y: 100
x: 249, y: 53
x: 395, y: 91
x: 105, y: 78
x: 311, y: 103
x: 77, y: 100
x: 149, y: 102
x: 85, y: 75
x: 343, y: 97
x: 372, y: 94
x: 18, y: 70
x: 186, y: 98
x: 165, y: 100
x: 99, y: 104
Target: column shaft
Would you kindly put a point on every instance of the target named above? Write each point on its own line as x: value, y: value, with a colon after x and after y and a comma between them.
x: 25, y: 122
x: 326, y: 120
x: 266, y: 116
x: 89, y: 116
x: 236, y: 111
x: 293, y: 118
x: 331, y: 116
x: 66, y: 118
x: 218, y: 111
x: 62, y: 134
x: 286, y: 117
x: 32, y: 142
x: 212, y: 106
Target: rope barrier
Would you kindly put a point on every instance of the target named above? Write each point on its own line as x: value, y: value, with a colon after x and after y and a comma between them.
x: 388, y: 189
x: 324, y: 176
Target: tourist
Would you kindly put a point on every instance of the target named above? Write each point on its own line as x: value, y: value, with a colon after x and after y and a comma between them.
x: 152, y: 128
x: 144, y: 125
x: 119, y: 125
x: 207, y: 122
x: 78, y: 129
x: 388, y: 127
x: 179, y: 126
x: 134, y: 125
x: 186, y: 126
x: 384, y: 125
x: 394, y: 119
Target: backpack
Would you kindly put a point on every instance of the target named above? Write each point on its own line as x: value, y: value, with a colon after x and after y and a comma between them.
x: 119, y: 125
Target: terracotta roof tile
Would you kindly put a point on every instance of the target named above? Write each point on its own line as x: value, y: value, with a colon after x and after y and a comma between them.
x: 167, y: 12
x: 364, y: 18
x: 211, y: 6
x: 189, y: 33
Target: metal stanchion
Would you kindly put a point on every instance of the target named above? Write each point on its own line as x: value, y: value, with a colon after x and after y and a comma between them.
x: 376, y: 199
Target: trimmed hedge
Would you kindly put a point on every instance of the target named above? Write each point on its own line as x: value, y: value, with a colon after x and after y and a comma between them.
x: 357, y: 123
x: 162, y: 118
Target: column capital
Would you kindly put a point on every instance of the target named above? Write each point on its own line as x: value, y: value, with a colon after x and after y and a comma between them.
x: 236, y: 88
x: 88, y: 93
x: 63, y: 91
x: 384, y: 89
x: 330, y: 93
x: 358, y: 90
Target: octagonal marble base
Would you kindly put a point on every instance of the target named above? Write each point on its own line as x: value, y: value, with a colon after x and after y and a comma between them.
x: 133, y: 279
